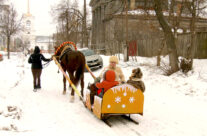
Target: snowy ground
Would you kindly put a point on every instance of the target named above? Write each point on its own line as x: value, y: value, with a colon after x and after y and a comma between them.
x: 174, y: 105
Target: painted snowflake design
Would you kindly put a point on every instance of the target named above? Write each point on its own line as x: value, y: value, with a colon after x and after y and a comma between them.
x: 118, y: 99
x: 123, y: 106
x: 108, y: 106
x: 131, y: 99
x: 125, y: 94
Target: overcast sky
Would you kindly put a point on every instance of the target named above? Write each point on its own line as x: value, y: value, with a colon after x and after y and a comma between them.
x: 40, y: 10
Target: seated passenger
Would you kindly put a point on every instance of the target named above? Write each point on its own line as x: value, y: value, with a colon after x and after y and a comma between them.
x: 113, y: 61
x: 136, y: 79
x: 107, y: 83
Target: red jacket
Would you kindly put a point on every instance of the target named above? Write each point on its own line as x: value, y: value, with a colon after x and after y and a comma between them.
x: 109, y: 81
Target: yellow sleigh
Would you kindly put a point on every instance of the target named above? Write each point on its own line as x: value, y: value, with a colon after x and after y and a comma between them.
x: 122, y: 99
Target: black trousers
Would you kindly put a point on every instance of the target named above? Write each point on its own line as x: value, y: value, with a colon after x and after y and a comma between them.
x: 36, y: 77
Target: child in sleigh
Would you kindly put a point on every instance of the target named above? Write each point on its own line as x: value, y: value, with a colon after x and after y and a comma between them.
x: 100, y: 88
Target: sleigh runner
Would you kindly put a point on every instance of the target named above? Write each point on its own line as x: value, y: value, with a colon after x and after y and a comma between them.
x: 122, y: 99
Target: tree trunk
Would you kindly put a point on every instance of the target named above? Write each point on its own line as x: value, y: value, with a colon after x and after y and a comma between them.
x: 8, y: 46
x: 191, y: 51
x: 170, y: 39
x: 126, y: 48
x: 67, y: 26
x: 82, y: 37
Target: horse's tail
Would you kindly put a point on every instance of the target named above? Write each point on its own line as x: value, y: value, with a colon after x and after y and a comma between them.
x: 80, y: 72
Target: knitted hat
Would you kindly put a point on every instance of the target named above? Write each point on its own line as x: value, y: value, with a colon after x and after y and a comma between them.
x: 109, y: 75
x: 114, y: 59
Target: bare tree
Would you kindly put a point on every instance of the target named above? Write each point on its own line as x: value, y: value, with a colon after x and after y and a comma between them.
x: 69, y: 21
x: 170, y: 39
x: 196, y: 8
x: 10, y: 25
x: 177, y: 10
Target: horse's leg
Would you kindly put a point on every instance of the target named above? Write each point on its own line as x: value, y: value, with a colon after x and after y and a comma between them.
x: 72, y: 80
x: 82, y: 84
x: 64, y: 85
x: 64, y: 82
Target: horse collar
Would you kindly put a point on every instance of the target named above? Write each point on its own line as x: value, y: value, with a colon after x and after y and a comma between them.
x: 58, y: 49
x: 68, y: 42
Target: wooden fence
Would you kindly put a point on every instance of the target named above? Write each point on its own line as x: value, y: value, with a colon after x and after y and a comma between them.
x: 149, y: 47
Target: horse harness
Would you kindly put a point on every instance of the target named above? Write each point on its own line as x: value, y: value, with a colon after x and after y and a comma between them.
x: 64, y: 51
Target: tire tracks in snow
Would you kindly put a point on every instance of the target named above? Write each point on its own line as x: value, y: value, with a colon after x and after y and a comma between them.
x: 122, y: 125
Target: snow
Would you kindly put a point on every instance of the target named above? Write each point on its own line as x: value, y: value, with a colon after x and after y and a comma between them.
x: 153, y: 13
x: 174, y: 105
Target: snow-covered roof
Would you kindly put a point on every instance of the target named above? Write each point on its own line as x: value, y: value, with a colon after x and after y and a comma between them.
x: 153, y: 13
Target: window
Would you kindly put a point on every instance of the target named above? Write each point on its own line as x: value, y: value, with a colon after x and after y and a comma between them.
x: 28, y: 23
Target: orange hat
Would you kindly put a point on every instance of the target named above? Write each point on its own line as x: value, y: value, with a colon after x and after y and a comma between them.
x: 109, y: 75
x: 109, y: 81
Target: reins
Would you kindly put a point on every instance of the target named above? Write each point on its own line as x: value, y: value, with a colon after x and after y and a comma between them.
x: 46, y: 64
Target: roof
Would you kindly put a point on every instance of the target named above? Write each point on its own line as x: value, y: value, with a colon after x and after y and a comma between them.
x: 43, y: 39
x: 153, y: 13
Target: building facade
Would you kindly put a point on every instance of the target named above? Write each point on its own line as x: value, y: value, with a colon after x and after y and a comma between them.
x: 46, y: 43
x: 113, y: 25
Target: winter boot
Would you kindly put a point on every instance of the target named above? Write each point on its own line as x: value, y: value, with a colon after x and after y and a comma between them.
x: 35, y: 88
x: 38, y: 87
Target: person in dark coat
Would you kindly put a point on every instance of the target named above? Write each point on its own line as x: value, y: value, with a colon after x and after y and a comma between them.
x: 36, y: 60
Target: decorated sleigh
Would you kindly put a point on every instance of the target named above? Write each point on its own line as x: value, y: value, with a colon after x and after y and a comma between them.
x: 123, y: 99
x: 120, y: 100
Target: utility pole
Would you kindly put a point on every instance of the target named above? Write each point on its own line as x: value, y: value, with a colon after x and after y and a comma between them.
x: 126, y: 48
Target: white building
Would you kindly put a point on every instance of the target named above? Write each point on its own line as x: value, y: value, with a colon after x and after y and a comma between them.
x: 45, y: 43
x: 28, y: 35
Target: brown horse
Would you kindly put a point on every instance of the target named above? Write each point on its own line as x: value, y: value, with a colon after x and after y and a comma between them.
x: 74, y: 63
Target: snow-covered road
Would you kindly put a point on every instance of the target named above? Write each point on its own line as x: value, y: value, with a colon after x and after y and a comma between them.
x: 169, y: 110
